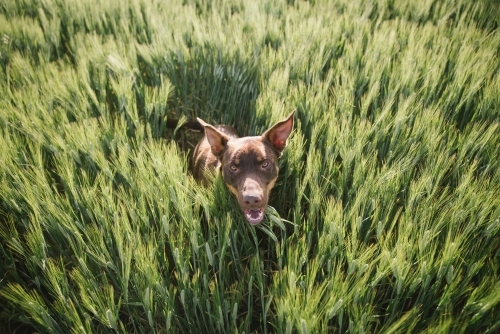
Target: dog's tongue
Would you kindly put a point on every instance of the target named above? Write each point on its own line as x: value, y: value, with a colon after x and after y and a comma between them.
x: 254, y: 216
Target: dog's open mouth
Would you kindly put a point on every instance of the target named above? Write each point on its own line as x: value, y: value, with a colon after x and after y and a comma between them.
x: 254, y: 216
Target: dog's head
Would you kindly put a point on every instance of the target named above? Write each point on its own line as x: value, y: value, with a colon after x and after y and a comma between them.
x: 249, y: 165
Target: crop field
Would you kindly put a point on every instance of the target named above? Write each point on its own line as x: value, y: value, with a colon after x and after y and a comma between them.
x: 386, y: 214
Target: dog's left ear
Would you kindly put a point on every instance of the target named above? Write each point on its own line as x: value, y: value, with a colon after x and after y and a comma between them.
x: 278, y: 134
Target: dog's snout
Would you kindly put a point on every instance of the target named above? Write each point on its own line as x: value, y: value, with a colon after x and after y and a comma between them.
x: 252, y: 199
x: 252, y: 193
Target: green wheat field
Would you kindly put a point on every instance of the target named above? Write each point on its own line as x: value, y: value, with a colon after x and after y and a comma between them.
x: 385, y: 217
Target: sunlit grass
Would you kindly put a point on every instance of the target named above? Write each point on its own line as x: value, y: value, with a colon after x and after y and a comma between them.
x: 385, y: 216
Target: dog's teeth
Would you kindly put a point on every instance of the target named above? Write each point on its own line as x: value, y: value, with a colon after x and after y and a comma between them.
x: 254, y: 216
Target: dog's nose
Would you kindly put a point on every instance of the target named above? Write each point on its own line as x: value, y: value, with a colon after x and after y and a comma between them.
x: 252, y: 193
x: 252, y: 199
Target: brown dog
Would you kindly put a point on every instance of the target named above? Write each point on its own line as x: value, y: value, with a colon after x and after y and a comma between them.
x: 249, y: 165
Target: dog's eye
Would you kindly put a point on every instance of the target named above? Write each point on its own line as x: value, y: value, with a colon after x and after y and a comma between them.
x: 233, y: 167
x: 265, y: 164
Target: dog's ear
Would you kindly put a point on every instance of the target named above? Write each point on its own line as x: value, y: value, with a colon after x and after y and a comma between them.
x: 278, y: 134
x: 216, y: 139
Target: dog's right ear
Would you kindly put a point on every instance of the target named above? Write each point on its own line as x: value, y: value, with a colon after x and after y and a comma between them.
x: 216, y: 139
